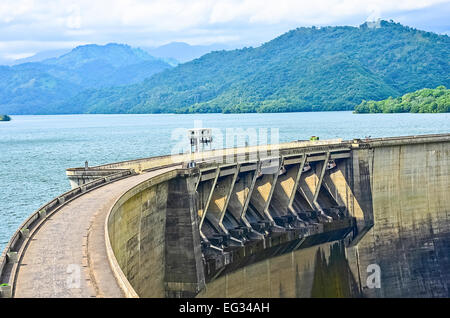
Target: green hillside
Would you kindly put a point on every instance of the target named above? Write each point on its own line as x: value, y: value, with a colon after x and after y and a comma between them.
x: 422, y: 101
x: 307, y: 69
x: 36, y: 88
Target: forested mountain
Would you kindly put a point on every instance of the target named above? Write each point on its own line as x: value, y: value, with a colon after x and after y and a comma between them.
x: 306, y: 69
x: 425, y: 100
x: 37, y: 87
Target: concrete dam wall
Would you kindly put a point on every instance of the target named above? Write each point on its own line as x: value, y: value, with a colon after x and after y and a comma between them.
x: 361, y: 218
x: 410, y: 238
x: 357, y: 218
x: 155, y: 239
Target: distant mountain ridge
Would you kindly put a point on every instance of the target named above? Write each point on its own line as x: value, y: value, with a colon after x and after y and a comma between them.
x: 306, y: 69
x: 173, y: 53
x: 183, y: 52
x: 116, y: 55
x: 40, y: 56
x: 36, y: 87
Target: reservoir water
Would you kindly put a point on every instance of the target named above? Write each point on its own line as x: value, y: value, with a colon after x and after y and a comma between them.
x: 36, y: 150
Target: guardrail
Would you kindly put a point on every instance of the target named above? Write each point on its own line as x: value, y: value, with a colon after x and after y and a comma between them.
x: 144, y: 164
x: 397, y: 141
x: 13, y: 252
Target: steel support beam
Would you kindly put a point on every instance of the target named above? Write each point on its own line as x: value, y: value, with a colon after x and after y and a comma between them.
x: 272, y: 189
x: 297, y: 180
x: 250, y: 191
x: 322, y: 173
x: 224, y: 210
x: 205, y: 210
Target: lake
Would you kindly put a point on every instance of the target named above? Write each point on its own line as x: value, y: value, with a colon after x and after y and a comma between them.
x: 36, y: 150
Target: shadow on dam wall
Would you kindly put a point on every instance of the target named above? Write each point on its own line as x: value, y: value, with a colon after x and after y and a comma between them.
x: 333, y: 276
x: 317, y: 271
x: 232, y: 232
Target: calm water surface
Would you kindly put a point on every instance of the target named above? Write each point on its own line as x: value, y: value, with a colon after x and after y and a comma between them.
x: 36, y: 150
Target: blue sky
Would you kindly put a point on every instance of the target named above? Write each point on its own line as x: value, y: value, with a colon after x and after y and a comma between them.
x: 31, y: 26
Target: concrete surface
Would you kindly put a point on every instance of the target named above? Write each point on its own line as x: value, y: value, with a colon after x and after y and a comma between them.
x: 71, y: 242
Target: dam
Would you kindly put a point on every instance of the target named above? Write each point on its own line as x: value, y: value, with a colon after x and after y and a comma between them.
x: 337, y: 218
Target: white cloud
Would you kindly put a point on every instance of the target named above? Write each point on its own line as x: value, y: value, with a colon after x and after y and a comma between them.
x: 144, y: 22
x: 17, y: 56
x: 73, y: 20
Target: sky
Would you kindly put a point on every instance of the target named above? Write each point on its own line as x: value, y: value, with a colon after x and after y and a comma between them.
x: 31, y: 26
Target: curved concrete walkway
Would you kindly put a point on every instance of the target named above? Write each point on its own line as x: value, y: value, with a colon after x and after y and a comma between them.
x: 67, y: 256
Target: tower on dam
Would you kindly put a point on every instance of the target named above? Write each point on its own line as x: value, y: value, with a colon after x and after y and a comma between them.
x: 357, y: 218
